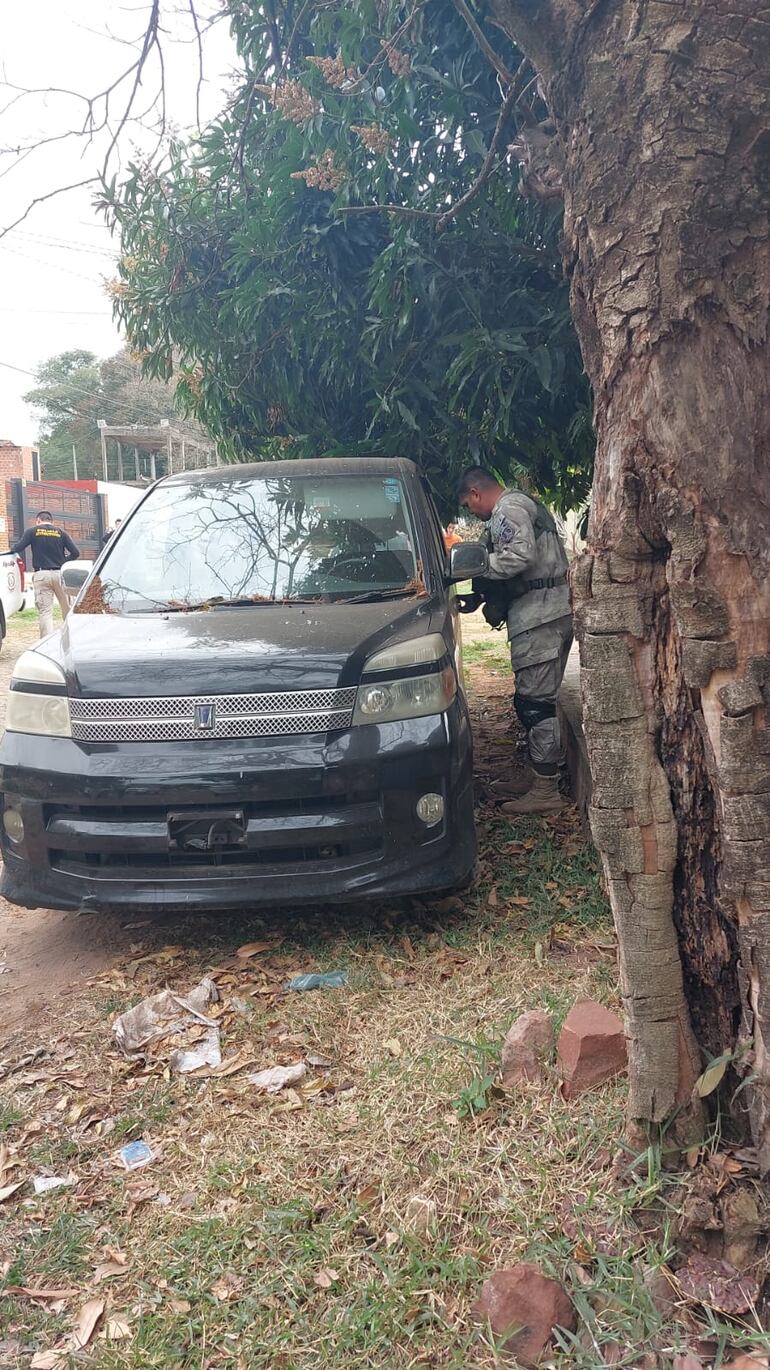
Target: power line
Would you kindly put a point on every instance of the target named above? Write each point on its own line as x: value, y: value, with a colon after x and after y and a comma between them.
x: 52, y: 266
x: 66, y: 245
x: 90, y: 394
x: 18, y: 309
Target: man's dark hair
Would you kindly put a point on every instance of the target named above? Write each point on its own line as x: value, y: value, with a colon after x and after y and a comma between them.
x: 474, y: 475
x: 45, y: 514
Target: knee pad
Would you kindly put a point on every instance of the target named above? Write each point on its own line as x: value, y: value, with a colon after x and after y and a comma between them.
x: 533, y: 711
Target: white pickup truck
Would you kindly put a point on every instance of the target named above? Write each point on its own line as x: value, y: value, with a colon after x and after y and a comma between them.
x: 12, y: 597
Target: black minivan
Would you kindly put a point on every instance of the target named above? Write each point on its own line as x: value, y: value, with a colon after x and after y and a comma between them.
x: 257, y: 698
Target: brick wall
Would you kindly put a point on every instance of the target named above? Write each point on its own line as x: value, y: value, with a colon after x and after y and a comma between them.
x: 18, y: 463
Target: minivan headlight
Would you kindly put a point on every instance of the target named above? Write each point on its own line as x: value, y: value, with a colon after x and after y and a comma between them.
x: 391, y: 699
x: 43, y: 708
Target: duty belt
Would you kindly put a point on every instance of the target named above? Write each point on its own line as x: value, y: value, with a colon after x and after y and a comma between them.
x: 546, y: 583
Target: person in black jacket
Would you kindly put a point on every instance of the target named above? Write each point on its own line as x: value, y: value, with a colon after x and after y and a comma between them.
x: 50, y: 547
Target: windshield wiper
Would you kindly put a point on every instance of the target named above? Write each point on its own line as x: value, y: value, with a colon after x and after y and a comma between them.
x: 237, y: 602
x: 396, y: 592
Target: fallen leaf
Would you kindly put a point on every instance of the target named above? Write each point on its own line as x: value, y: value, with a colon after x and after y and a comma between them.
x: 393, y: 1046
x: 180, y: 1305
x: 114, y: 1268
x: 711, y: 1078
x: 687, y: 1362
x: 520, y: 900
x: 369, y: 1193
x: 323, y: 1061
x: 227, y: 1288
x: 492, y: 900
x: 278, y: 1077
x: 325, y: 1278
x: 9, y: 1189
x: 44, y: 1295
x: 116, y: 1330
x: 252, y: 949
x: 87, y: 1321
x: 47, y: 1360
x: 718, y: 1285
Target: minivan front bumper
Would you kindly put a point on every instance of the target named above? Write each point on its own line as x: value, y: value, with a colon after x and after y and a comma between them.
x: 324, y: 817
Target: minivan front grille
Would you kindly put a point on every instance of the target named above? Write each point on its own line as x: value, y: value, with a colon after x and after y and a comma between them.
x: 193, y: 718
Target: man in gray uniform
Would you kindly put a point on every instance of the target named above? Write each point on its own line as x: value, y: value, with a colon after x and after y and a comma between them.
x: 527, y: 553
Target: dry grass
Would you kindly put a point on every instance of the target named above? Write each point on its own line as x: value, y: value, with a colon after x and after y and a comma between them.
x: 280, y: 1232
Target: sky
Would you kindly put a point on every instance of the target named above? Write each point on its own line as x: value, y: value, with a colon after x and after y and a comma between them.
x: 54, y: 264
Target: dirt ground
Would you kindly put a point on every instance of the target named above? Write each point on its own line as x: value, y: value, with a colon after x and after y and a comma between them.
x: 45, y: 954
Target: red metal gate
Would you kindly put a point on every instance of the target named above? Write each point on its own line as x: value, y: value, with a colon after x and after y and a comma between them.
x: 79, y: 512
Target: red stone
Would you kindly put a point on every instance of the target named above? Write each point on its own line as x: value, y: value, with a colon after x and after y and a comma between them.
x: 528, y: 1041
x: 592, y: 1048
x: 524, y: 1306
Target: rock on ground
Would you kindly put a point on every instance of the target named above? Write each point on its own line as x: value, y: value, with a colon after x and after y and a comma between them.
x: 524, y: 1306
x: 528, y: 1041
x: 591, y: 1049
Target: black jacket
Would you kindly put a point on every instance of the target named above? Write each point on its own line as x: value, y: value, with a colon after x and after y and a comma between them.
x: 51, y: 547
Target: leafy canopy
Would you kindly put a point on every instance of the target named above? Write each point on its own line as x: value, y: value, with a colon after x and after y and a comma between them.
x: 298, y: 318
x: 74, y: 390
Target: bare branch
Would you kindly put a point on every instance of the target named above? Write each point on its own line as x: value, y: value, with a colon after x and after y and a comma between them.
x: 199, y: 42
x: 150, y: 41
x: 405, y: 210
x: 489, y: 163
x: 40, y: 199
x: 483, y: 43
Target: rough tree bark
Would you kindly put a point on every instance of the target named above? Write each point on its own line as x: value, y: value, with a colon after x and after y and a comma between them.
x: 662, y: 117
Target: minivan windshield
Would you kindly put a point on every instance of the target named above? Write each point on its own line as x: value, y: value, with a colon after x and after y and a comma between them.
x: 213, y: 543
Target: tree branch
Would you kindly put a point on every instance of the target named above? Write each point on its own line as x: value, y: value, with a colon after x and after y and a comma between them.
x: 150, y: 41
x: 405, y: 210
x: 40, y: 199
x: 275, y: 40
x: 199, y: 42
x: 489, y: 162
x: 483, y: 43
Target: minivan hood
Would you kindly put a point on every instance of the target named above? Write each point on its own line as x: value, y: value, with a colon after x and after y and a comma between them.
x: 231, y: 651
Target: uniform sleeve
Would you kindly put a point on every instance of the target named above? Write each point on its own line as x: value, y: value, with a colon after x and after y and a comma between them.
x: 515, y: 548
x: 23, y: 542
x: 69, y: 546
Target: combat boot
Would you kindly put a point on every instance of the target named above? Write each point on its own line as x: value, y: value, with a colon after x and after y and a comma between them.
x: 511, y: 787
x: 542, y: 797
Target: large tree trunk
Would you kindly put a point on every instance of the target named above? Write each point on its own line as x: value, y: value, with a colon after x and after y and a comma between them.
x: 663, y: 138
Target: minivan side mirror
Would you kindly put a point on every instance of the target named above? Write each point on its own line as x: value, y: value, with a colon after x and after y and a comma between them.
x: 467, y: 560
x: 74, y: 577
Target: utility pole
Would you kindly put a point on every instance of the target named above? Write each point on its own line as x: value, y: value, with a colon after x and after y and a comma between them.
x: 74, y: 463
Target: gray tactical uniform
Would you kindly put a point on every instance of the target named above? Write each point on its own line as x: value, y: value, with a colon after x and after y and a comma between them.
x: 526, y: 547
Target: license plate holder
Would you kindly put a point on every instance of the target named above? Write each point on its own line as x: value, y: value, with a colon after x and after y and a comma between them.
x: 207, y: 830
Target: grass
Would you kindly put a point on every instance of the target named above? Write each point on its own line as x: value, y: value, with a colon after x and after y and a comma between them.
x: 492, y: 653
x: 31, y: 615
x: 284, y: 1231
